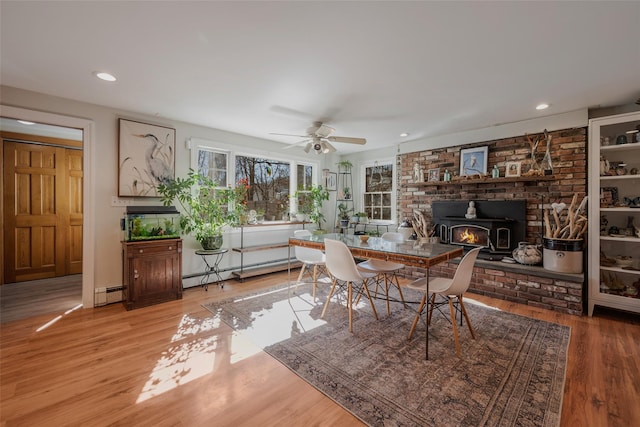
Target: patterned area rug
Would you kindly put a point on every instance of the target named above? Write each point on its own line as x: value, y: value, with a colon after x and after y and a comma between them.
x: 511, y: 374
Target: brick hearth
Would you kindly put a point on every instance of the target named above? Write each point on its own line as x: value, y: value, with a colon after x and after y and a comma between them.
x: 527, y: 285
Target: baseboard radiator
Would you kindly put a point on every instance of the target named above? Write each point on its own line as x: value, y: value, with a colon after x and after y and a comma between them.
x: 104, y: 296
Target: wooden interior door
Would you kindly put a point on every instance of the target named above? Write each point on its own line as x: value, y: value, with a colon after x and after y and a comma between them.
x: 42, y: 211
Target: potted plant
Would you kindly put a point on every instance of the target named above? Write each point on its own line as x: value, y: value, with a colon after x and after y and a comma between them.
x: 204, y: 207
x: 346, y: 193
x: 315, y: 196
x: 363, y: 218
x: 344, y: 166
x: 343, y: 213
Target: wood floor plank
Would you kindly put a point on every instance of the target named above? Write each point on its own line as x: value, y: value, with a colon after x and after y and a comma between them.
x: 172, y: 365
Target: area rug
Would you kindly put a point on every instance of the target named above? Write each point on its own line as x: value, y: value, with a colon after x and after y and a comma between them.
x: 511, y: 374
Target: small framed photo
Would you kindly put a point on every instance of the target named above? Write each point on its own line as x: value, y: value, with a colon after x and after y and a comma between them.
x: 473, y: 161
x: 332, y: 181
x: 512, y: 169
x: 434, y: 174
x: 609, y: 196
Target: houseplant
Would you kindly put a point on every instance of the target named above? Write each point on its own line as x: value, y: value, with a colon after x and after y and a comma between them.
x: 343, y: 213
x: 344, y: 166
x: 204, y: 207
x: 312, y: 204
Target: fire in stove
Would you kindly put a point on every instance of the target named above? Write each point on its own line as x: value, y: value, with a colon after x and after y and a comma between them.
x: 469, y: 237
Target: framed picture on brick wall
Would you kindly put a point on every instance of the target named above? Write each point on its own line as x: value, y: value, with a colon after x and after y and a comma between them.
x: 512, y: 169
x: 473, y: 161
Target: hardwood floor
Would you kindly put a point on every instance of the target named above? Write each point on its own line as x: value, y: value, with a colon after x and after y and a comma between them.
x: 35, y: 297
x: 170, y: 365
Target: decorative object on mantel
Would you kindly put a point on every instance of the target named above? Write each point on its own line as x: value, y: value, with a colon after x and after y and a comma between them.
x: 473, y: 161
x: 512, y: 169
x: 471, y: 211
x: 418, y: 173
x: 534, y: 169
x: 447, y: 175
x: 495, y: 172
x: 547, y: 165
x: 421, y: 226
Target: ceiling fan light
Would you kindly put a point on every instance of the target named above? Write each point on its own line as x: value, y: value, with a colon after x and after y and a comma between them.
x: 307, y: 147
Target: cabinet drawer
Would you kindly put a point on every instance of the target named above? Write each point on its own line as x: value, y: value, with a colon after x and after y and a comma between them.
x: 155, y: 248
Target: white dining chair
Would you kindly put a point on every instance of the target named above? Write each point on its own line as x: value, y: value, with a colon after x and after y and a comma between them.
x: 386, y: 271
x: 451, y: 291
x: 342, y: 267
x: 313, y: 261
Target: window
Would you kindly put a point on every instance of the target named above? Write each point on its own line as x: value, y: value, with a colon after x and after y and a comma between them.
x: 268, y: 182
x: 213, y: 164
x: 305, y: 181
x: 378, y: 191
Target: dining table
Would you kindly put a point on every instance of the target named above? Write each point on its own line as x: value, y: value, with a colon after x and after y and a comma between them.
x: 422, y: 254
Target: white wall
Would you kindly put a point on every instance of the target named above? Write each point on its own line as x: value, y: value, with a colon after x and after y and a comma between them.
x: 107, y: 247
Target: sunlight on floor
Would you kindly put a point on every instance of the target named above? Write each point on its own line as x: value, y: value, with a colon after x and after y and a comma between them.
x: 186, y: 361
x: 191, y: 357
x: 468, y: 300
x: 283, y: 320
x: 55, y: 319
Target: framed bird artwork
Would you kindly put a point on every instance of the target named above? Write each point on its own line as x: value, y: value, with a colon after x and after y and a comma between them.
x: 147, y: 158
x: 473, y: 161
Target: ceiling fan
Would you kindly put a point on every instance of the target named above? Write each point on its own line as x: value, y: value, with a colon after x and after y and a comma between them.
x: 318, y: 138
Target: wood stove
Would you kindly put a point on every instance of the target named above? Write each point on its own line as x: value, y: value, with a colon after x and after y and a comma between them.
x: 497, y: 229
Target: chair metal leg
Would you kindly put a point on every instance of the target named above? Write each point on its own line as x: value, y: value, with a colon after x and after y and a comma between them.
x: 455, y: 326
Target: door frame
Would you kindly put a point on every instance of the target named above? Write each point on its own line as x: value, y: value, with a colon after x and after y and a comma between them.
x: 88, y: 200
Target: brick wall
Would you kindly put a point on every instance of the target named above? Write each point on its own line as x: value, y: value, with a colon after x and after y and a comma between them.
x: 569, y: 158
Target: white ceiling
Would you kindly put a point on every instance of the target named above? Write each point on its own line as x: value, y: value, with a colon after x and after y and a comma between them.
x: 368, y: 69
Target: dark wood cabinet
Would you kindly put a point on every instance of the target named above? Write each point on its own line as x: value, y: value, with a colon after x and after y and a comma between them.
x: 152, y: 272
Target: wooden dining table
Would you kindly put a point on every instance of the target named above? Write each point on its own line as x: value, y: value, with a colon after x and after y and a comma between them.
x: 411, y: 252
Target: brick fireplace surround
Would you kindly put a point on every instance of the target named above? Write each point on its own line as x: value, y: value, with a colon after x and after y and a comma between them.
x: 533, y: 286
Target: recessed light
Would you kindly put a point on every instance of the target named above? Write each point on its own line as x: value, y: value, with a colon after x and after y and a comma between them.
x: 542, y: 106
x: 105, y: 76
x: 404, y: 134
x: 24, y: 122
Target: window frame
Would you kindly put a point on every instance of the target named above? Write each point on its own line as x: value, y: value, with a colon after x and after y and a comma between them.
x: 363, y: 185
x: 196, y: 144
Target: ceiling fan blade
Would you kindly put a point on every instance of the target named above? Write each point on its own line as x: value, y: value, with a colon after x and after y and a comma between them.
x: 288, y: 134
x: 324, y: 131
x: 297, y: 144
x: 347, y: 140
